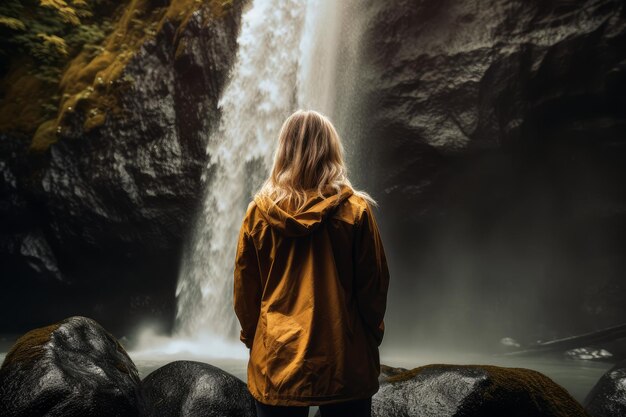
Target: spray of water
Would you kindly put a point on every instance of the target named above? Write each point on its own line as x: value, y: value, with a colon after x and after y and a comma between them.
x: 286, y: 60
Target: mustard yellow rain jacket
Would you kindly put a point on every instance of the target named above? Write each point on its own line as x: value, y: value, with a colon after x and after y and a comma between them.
x: 310, y: 293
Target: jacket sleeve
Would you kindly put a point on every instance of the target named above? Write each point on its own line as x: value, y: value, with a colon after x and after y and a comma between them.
x: 247, y: 287
x: 371, y: 274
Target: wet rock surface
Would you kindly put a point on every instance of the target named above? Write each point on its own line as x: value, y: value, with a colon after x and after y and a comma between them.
x: 468, y: 391
x: 76, y: 368
x: 494, y: 137
x: 116, y: 202
x: 195, y: 389
x: 70, y: 368
x: 608, y: 397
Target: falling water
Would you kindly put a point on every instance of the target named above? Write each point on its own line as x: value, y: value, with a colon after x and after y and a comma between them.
x: 286, y: 60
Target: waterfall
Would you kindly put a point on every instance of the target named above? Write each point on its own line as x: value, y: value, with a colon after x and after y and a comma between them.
x: 287, y: 59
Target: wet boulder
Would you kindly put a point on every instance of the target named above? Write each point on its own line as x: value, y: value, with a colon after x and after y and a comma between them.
x: 70, y: 368
x: 608, y: 397
x: 195, y: 389
x: 472, y: 391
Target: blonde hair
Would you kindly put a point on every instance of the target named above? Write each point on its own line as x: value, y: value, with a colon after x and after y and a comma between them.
x: 309, y: 158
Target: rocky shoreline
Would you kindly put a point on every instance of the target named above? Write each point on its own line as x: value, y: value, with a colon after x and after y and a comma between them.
x: 75, y: 367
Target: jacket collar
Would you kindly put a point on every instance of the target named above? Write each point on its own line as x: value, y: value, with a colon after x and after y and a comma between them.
x: 314, y: 213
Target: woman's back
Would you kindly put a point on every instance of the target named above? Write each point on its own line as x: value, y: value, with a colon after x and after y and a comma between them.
x: 310, y: 294
x: 311, y: 279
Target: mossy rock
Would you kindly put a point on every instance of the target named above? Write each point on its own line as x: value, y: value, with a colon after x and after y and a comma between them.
x: 89, y: 80
x: 473, y: 390
x: 70, y: 368
x: 388, y: 371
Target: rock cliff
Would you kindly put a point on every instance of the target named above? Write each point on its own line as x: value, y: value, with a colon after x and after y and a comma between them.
x: 494, y: 139
x: 94, y: 221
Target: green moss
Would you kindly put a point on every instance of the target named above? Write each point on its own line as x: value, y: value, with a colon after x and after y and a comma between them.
x: 44, y: 136
x: 35, y: 54
x: 25, y: 97
x: 38, y: 29
x: 40, y: 97
x: 94, y: 85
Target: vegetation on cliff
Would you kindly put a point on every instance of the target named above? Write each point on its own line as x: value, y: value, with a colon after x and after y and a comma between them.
x: 62, y: 62
x: 38, y: 39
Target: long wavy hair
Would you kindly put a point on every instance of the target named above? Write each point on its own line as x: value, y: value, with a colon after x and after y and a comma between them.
x: 308, y: 161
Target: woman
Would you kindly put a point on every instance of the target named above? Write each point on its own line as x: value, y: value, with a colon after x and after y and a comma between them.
x: 311, y: 280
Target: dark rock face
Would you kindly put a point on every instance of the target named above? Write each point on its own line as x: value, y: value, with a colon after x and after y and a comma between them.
x: 468, y: 391
x: 494, y: 140
x: 195, y: 389
x: 608, y: 397
x: 71, y: 368
x: 114, y: 204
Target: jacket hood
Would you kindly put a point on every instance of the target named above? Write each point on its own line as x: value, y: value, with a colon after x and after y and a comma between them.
x: 315, y: 211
